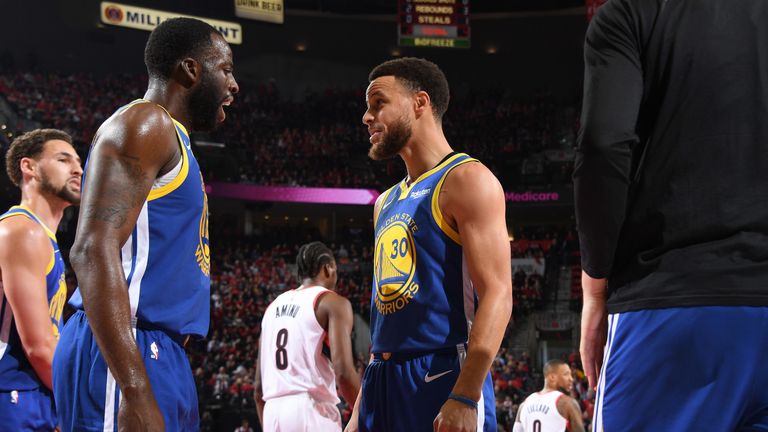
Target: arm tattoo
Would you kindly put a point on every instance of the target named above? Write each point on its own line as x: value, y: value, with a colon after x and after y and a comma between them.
x: 126, y: 196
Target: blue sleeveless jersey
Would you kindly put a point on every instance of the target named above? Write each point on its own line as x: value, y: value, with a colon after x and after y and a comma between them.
x: 422, y: 297
x: 16, y: 372
x: 166, y: 260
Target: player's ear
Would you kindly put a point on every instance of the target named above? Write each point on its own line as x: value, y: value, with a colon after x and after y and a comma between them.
x: 423, y: 103
x: 28, y: 167
x: 190, y: 70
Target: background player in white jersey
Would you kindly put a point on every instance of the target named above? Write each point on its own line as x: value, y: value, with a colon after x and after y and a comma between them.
x: 296, y: 380
x: 551, y: 409
x: 43, y: 164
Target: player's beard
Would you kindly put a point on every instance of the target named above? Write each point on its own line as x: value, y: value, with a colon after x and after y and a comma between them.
x: 204, y: 102
x: 62, y: 192
x: 392, y: 141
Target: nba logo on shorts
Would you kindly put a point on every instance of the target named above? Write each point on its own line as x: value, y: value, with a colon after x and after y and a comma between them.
x: 14, y: 397
x: 155, y: 352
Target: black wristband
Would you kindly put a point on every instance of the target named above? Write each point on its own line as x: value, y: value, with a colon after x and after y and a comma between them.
x: 464, y: 400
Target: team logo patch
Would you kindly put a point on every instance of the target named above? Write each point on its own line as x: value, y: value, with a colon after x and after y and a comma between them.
x: 394, y: 267
x: 155, y: 352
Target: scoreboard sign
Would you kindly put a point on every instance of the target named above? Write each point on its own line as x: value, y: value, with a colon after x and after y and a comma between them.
x: 433, y: 23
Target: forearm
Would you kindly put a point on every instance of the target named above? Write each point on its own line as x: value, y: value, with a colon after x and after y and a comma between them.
x: 260, y: 411
x: 41, y: 359
x: 594, y: 289
x: 356, y: 406
x: 107, y: 306
x: 349, y: 384
x: 488, y: 329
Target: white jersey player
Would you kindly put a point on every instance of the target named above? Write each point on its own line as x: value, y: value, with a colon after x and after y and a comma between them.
x: 295, y: 378
x: 551, y: 409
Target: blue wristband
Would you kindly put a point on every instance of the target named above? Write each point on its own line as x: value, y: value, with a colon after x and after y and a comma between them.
x: 464, y: 400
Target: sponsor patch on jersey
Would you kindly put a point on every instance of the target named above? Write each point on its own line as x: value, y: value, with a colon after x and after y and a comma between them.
x: 421, y: 193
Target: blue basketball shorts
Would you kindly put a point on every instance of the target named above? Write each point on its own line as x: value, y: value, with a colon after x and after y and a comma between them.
x: 405, y: 392
x: 27, y: 410
x: 87, y: 396
x: 685, y: 369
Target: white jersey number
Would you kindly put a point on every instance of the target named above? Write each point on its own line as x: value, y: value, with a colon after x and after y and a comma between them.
x: 281, y: 355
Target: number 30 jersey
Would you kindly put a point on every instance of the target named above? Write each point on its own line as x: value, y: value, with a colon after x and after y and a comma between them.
x: 291, y: 358
x: 422, y: 299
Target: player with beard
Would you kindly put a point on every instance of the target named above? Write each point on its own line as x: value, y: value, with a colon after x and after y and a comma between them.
x: 141, y: 253
x: 33, y: 290
x: 442, y: 285
x: 551, y: 409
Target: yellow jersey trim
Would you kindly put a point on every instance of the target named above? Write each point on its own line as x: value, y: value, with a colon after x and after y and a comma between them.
x: 437, y: 214
x: 48, y: 232
x: 182, y: 175
x: 377, y: 211
x: 405, y: 190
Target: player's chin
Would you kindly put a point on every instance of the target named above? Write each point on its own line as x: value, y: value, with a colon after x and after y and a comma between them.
x: 375, y: 153
x: 74, y: 198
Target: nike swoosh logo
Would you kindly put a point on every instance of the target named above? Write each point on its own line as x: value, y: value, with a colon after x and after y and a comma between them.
x: 385, y: 205
x: 428, y: 379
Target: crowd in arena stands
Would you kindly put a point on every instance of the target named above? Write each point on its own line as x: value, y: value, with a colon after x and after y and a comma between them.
x: 320, y: 140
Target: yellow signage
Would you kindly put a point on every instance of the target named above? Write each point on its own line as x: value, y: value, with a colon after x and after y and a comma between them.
x: 261, y: 10
x: 147, y: 19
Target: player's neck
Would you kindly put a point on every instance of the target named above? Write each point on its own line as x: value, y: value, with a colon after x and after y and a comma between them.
x: 309, y: 282
x: 169, y: 97
x: 49, y: 211
x: 423, y: 152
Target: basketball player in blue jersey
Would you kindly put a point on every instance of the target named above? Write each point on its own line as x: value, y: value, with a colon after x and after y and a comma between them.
x: 442, y: 289
x: 32, y: 290
x: 141, y: 253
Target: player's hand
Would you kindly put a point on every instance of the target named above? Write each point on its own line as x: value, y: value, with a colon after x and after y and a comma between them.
x: 140, y: 415
x: 455, y: 416
x: 594, y: 327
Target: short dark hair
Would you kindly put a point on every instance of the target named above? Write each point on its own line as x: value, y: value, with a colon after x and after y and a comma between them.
x: 29, y: 145
x: 552, y: 365
x: 173, y: 40
x: 311, y: 257
x: 418, y: 74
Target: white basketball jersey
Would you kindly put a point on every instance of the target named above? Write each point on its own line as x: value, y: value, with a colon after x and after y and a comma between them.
x: 539, y: 413
x: 291, y: 348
